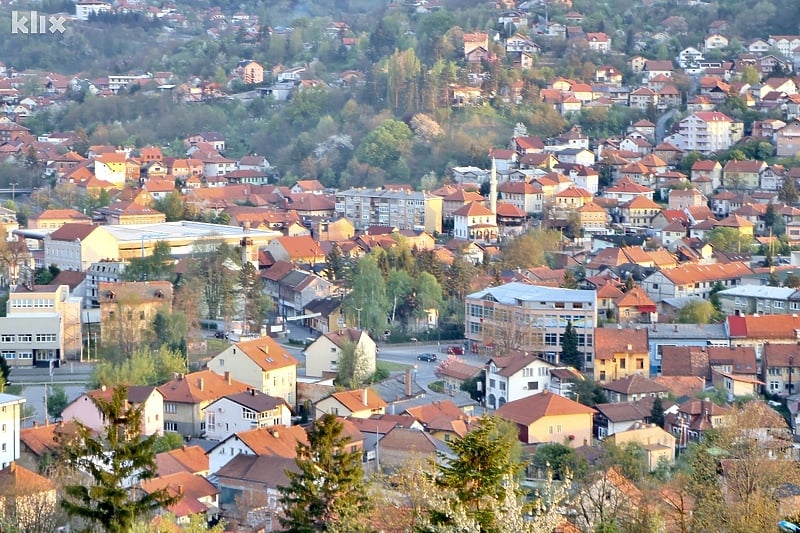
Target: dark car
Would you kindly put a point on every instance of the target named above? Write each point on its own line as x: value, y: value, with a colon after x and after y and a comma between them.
x: 429, y: 357
x: 455, y: 350
x: 221, y: 334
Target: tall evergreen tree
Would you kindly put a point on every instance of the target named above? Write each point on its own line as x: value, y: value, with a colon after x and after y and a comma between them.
x: 5, y: 371
x: 657, y: 412
x: 570, y: 354
x: 119, y: 455
x: 327, y: 493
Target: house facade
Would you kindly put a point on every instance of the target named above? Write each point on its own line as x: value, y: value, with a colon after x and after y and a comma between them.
x: 515, y: 376
x: 322, y: 355
x: 244, y: 411
x: 550, y: 418
x: 10, y: 415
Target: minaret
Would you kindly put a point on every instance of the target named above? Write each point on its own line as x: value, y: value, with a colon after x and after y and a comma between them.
x: 493, y: 188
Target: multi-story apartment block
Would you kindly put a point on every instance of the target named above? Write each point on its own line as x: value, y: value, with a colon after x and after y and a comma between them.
x: 707, y: 131
x: 402, y: 209
x: 530, y: 318
x: 42, y: 323
x: 759, y: 299
x: 102, y: 271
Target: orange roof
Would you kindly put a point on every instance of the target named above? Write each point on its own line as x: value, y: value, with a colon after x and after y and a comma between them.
x: 301, y: 246
x: 574, y: 192
x: 463, y: 196
x: 187, y: 487
x: 353, y: 400
x: 184, y: 459
x: 641, y: 202
x: 266, y: 353
x: 72, y: 231
x: 686, y: 274
x: 509, y: 210
x: 473, y: 209
x: 55, y: 214
x: 444, y: 415
x: 277, y: 441
x: 531, y: 408
x: 200, y: 386
x: 47, y: 438
x: 16, y: 479
x: 609, y: 290
x: 611, y: 341
x: 636, y: 297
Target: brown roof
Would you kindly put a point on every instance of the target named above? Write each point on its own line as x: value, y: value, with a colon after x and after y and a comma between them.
x: 531, y: 408
x: 685, y: 361
x: 472, y: 209
x: 409, y: 441
x: 265, y: 469
x: 191, y: 459
x: 682, y: 386
x: 16, y: 479
x: 340, y: 337
x: 781, y: 355
x: 72, y: 231
x: 461, y: 370
x: 636, y: 297
x: 266, y: 353
x: 741, y: 359
x: 301, y: 246
x: 56, y: 214
x: 622, y: 412
x: 609, y: 290
x: 611, y: 341
x: 187, y: 487
x: 200, y: 386
x: 46, y: 439
x: 693, y: 273
x: 634, y: 384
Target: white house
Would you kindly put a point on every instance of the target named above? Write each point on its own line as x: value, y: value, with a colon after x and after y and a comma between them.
x: 322, y: 355
x: 274, y: 441
x: 84, y: 409
x: 475, y: 222
x: 244, y: 411
x: 10, y: 413
x: 516, y: 376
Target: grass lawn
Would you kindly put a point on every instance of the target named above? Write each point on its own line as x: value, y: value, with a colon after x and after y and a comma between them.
x: 391, y: 366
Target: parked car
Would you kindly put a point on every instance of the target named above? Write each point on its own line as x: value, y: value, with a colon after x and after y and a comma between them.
x: 221, y: 334
x: 429, y: 357
x: 455, y: 350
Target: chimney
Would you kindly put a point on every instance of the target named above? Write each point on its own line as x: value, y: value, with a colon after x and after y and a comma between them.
x: 228, y: 376
x: 409, y: 390
x: 364, y: 396
x: 200, y: 383
x: 180, y: 489
x: 275, y: 433
x: 630, y: 347
x: 252, y: 392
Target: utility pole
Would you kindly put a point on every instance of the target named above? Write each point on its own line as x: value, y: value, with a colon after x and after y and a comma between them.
x: 358, y: 310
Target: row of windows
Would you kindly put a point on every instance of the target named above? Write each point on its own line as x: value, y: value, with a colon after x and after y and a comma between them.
x: 7, y: 338
x: 32, y: 302
x: 8, y: 354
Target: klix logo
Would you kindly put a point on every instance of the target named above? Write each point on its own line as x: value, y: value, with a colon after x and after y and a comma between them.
x: 25, y: 22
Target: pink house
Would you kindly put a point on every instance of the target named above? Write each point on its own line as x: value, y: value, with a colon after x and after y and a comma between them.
x: 84, y: 410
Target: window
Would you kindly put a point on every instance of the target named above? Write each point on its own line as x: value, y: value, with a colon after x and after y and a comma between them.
x: 492, y: 383
x: 4, y: 428
x: 46, y: 337
x: 7, y: 338
x: 622, y: 362
x: 25, y: 337
x: 170, y: 408
x: 8, y: 354
x: 602, y: 375
x: 335, y: 411
x: 171, y: 426
x: 533, y: 385
x: 210, y: 422
x: 639, y: 364
x: 550, y: 430
x: 502, y: 385
x: 247, y: 414
x: 24, y: 355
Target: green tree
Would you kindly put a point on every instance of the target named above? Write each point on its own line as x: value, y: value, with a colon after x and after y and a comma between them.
x: 657, y: 412
x: 367, y: 302
x: 428, y: 294
x: 788, y: 193
x: 385, y: 145
x: 172, y: 206
x: 791, y: 280
x: 157, y: 266
x: 327, y: 492
x: 119, y: 455
x: 569, y: 281
x: 5, y: 371
x: 143, y: 367
x: 570, y: 355
x: 169, y: 329
x: 336, y: 266
x: 531, y: 249
x: 697, y: 312
x: 588, y: 392
x: 168, y: 441
x: 353, y: 366
x: 256, y: 304
x: 561, y: 459
x: 57, y: 400
x: 729, y: 240
x: 399, y: 286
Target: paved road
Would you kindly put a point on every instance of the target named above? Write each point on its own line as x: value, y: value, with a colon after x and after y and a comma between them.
x: 36, y: 381
x: 661, y: 125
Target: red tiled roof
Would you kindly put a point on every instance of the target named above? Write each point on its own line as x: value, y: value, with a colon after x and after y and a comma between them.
x: 266, y: 353
x: 611, y: 341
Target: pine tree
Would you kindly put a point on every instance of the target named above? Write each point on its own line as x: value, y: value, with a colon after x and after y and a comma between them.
x: 5, y: 371
x: 327, y: 493
x: 570, y: 355
x: 657, y: 412
x: 111, y: 460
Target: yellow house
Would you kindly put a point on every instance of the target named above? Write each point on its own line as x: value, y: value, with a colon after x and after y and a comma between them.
x: 550, y: 418
x: 261, y: 363
x: 127, y: 309
x: 658, y: 445
x: 359, y: 403
x: 619, y: 353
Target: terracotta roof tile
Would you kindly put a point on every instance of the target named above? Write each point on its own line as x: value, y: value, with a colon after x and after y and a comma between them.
x: 191, y: 459
x: 611, y: 341
x: 531, y: 408
x: 353, y: 400
x: 266, y: 353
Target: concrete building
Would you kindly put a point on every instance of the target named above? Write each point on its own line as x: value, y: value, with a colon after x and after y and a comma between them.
x: 402, y: 209
x: 518, y: 316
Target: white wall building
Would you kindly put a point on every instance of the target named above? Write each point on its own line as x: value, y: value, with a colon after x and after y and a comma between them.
x: 10, y: 413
